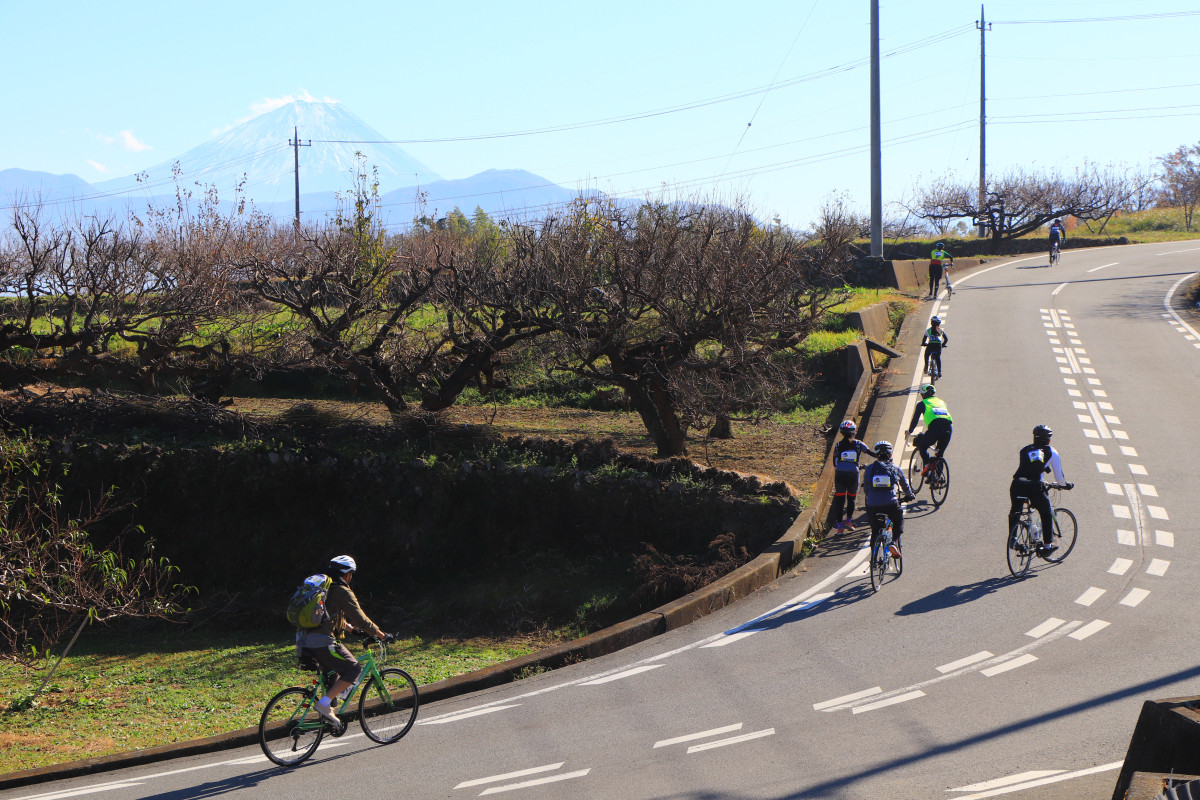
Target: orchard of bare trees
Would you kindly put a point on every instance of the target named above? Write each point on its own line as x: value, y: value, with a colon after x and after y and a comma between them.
x: 693, y: 310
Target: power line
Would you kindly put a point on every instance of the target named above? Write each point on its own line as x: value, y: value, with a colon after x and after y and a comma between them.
x: 928, y: 41
x: 1124, y: 18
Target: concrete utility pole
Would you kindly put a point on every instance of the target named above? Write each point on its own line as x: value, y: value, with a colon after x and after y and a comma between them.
x: 296, y: 144
x: 983, y: 27
x: 876, y: 141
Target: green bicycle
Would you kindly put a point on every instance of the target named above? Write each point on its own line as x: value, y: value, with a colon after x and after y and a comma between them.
x: 290, y: 728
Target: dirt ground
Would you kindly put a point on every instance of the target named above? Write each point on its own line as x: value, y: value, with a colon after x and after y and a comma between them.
x: 794, y: 453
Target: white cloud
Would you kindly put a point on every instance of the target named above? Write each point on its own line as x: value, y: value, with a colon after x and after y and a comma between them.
x: 130, y: 142
x: 96, y: 165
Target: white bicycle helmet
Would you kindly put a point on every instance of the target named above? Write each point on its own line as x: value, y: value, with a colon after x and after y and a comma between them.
x: 342, y: 564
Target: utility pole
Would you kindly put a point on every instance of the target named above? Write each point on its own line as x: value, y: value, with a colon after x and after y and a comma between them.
x: 876, y: 141
x: 983, y: 27
x: 296, y: 144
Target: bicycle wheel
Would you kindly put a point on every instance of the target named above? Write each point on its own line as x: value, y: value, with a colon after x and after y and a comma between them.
x: 387, y: 710
x: 915, y: 478
x: 290, y: 728
x: 1065, y: 531
x: 1020, y: 549
x: 939, y: 481
x: 879, y: 562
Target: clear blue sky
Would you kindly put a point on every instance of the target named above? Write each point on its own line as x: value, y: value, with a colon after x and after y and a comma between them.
x: 105, y: 89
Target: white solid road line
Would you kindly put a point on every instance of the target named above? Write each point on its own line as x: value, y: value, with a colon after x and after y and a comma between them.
x: 478, y: 712
x: 1106, y: 266
x: 536, y: 782
x: 86, y: 790
x: 508, y: 776
x: 1009, y: 781
x: 621, y: 675
x: 1062, y: 776
x: 691, y: 737
x: 745, y: 737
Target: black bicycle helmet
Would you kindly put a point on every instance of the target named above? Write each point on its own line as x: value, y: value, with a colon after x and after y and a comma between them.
x: 935, y: 320
x: 940, y: 245
x: 883, y: 450
x: 1042, y: 434
x: 928, y: 391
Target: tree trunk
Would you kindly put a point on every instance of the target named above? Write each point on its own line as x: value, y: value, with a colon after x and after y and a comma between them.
x: 653, y: 404
x: 448, y: 390
x: 722, y: 428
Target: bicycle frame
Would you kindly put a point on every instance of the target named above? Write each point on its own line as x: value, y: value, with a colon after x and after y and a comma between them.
x: 318, y: 688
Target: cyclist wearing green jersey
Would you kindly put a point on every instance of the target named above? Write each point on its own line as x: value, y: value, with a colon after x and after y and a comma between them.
x: 939, y: 425
x: 939, y: 260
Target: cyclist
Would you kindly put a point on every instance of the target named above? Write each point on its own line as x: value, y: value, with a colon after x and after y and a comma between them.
x: 939, y: 258
x: 939, y: 425
x: 886, y: 487
x: 323, y: 644
x: 845, y: 476
x: 933, y: 341
x: 1057, y: 233
x: 1034, y: 460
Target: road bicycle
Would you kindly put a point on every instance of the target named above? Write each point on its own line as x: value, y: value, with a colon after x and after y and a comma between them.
x: 1026, y: 534
x: 1054, y: 254
x: 290, y: 728
x: 937, y: 476
x: 933, y: 364
x: 886, y: 559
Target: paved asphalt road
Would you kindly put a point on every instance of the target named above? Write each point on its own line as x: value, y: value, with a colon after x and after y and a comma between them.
x: 955, y: 681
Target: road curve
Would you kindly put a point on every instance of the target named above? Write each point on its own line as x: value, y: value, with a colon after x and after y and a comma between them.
x: 954, y: 681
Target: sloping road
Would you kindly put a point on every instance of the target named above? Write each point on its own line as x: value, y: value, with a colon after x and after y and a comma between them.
x: 955, y: 681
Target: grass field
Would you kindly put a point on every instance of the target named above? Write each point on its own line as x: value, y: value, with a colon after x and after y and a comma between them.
x: 127, y: 693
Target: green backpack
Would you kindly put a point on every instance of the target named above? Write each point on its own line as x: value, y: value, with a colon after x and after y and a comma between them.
x: 306, y: 609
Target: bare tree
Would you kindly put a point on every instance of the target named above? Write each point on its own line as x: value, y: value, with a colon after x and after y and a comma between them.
x: 353, y: 293
x: 685, y: 307
x: 1181, y: 180
x: 1020, y: 202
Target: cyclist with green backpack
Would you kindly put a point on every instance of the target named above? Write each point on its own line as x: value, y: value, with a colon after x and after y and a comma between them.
x: 333, y: 607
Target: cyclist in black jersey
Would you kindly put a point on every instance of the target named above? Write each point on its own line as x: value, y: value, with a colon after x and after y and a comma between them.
x: 846, y: 452
x: 933, y: 341
x: 886, y: 487
x: 1035, y: 460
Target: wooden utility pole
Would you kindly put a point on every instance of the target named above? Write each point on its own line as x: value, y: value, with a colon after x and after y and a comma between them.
x: 296, y: 144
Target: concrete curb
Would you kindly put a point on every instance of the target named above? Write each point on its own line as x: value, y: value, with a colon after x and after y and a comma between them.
x: 776, y: 560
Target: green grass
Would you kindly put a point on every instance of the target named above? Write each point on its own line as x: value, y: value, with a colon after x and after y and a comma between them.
x: 1151, y: 225
x: 129, y: 693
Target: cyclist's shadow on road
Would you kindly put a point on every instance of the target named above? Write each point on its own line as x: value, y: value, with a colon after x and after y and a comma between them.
x: 954, y: 596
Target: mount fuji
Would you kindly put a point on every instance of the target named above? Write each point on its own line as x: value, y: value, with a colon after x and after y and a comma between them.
x: 258, y: 151
x: 257, y: 155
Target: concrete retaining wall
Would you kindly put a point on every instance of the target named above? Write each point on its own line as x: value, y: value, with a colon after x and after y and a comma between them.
x: 913, y: 276
x: 1166, y: 739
